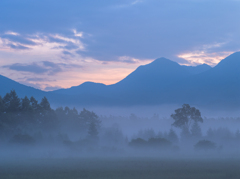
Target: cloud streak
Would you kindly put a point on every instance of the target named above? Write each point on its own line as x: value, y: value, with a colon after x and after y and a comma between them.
x: 47, y: 67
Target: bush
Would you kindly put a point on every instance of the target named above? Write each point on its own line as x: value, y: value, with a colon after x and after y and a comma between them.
x: 205, y: 145
x: 152, y: 143
x: 138, y: 142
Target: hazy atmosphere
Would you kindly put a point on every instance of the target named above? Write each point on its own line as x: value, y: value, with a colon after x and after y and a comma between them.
x: 120, y: 89
x: 53, y: 44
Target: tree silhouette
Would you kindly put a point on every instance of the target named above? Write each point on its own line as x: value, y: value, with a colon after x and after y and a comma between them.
x: 34, y: 104
x: 92, y: 130
x: 11, y: 102
x: 25, y: 105
x: 172, y: 136
x: 1, y: 105
x: 185, y: 116
x: 196, y: 130
x: 91, y: 119
x: 45, y: 105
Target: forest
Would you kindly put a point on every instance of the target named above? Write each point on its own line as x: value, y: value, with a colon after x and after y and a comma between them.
x: 29, y: 128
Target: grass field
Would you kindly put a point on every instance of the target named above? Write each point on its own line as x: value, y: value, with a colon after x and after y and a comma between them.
x: 132, y: 168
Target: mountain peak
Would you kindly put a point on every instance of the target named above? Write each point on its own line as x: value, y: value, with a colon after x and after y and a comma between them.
x: 232, y: 62
x: 163, y: 61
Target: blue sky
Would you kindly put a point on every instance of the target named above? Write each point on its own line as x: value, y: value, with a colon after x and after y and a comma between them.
x: 50, y: 44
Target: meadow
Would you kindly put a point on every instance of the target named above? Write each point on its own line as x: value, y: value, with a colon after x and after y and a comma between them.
x: 127, y: 168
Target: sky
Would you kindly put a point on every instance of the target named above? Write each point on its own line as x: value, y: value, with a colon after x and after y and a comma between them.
x: 52, y: 44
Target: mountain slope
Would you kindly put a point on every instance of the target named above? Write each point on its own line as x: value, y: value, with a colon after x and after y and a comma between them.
x: 218, y: 86
x: 160, y: 82
x: 85, y: 88
x: 197, y: 69
x: 7, y: 84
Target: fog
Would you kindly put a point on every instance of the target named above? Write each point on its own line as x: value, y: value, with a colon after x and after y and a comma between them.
x: 32, y: 129
x: 74, y: 134
x: 38, y: 141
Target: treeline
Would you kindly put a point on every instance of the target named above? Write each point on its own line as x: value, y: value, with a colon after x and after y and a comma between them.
x: 26, y: 117
x: 27, y: 122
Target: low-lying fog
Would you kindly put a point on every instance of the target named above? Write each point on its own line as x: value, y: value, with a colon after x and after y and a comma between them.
x: 44, y: 132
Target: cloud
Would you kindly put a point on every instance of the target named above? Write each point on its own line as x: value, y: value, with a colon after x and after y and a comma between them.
x: 18, y: 39
x: 11, y: 33
x: 32, y: 68
x: 127, y: 4
x: 71, y: 46
x: 68, y: 53
x: 206, y: 54
x: 47, y: 67
x: 201, y: 57
x: 20, y: 47
x: 112, y: 38
x: 77, y: 34
x: 145, y: 30
x: 52, y: 88
x: 127, y: 59
x: 136, y: 2
x: 36, y: 79
x: 46, y: 42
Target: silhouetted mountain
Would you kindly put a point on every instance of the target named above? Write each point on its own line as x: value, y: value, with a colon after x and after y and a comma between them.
x: 221, y: 84
x: 154, y: 75
x: 85, y: 88
x: 197, y: 69
x: 160, y: 82
x: 164, y: 81
x: 7, y: 84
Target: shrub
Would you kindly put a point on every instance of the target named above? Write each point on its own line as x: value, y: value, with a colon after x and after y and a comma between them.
x: 205, y: 145
x: 138, y: 142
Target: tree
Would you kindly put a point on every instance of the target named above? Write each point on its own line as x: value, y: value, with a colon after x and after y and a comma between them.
x: 92, y: 131
x: 172, y: 136
x: 47, y: 116
x: 91, y: 120
x: 45, y: 105
x: 11, y: 102
x: 34, y: 104
x: 1, y: 105
x: 196, y: 130
x: 89, y: 117
x: 185, y: 116
x: 185, y: 134
x: 25, y: 104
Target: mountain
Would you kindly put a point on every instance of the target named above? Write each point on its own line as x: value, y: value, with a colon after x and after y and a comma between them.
x: 138, y: 87
x: 160, y: 82
x: 197, y: 69
x: 85, y: 88
x: 221, y: 84
x: 22, y: 90
x: 164, y: 81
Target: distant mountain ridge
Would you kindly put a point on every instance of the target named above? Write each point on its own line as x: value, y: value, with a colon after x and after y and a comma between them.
x: 7, y: 84
x: 197, y: 69
x: 160, y: 82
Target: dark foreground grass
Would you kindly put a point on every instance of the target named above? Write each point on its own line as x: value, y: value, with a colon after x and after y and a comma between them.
x: 132, y: 168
